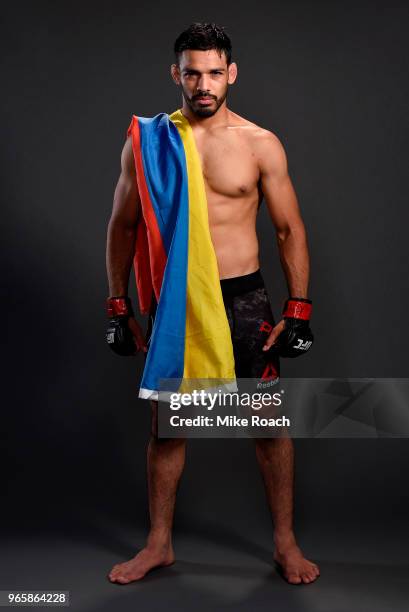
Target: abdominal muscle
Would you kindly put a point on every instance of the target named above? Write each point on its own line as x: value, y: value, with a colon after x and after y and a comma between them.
x: 232, y: 223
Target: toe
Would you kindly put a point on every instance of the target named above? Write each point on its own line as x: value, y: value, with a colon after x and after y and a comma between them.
x: 294, y: 579
x: 122, y: 579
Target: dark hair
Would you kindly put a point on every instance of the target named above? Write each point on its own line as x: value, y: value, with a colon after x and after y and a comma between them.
x: 203, y: 37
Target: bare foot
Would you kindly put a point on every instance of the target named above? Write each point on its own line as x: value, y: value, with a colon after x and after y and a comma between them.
x: 141, y: 564
x: 292, y: 564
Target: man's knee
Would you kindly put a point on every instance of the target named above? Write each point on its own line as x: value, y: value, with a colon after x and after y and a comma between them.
x: 271, y: 444
x: 154, y: 429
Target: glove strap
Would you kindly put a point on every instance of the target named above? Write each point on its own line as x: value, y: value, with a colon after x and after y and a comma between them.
x: 119, y: 306
x: 298, y: 308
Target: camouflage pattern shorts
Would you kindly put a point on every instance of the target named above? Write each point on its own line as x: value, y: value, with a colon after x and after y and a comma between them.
x: 251, y: 320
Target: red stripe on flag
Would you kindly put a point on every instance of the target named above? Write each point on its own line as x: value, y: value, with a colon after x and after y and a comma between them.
x: 150, y: 256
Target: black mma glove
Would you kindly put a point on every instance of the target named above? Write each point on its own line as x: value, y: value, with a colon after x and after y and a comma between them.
x: 296, y: 337
x: 118, y: 335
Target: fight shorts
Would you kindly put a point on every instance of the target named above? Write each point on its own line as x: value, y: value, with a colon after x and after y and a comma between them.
x: 250, y: 320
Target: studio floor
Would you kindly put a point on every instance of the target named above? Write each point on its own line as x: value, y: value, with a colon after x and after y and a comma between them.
x: 218, y: 567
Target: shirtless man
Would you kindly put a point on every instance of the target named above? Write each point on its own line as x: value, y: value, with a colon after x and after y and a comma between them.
x: 242, y: 163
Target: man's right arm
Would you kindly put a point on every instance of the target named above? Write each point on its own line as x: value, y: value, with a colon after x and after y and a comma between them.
x: 121, y: 236
x: 121, y: 233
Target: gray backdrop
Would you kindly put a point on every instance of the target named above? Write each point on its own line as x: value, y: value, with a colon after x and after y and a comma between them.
x: 330, y: 79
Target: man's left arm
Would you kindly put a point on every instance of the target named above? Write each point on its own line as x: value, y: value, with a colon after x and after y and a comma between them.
x: 284, y: 211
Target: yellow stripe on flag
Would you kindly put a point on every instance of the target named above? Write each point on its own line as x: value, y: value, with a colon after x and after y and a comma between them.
x: 208, y: 344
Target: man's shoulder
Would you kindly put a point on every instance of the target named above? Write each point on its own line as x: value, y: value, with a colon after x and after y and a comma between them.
x: 258, y: 135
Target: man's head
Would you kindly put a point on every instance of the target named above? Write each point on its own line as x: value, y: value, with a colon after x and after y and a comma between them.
x: 203, y: 68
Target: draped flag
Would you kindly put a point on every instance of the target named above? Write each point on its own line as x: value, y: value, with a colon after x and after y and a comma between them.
x: 175, y: 259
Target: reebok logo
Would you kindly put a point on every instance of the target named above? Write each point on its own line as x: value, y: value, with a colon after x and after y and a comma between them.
x: 269, y: 372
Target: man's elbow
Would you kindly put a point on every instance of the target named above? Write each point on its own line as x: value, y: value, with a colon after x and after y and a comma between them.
x: 119, y: 225
x: 294, y: 231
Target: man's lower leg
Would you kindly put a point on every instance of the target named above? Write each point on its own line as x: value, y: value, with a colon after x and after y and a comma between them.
x: 165, y: 462
x: 275, y: 457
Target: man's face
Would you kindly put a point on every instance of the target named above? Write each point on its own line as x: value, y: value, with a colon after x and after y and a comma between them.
x: 204, y: 78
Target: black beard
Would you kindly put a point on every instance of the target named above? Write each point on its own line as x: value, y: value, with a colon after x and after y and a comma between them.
x: 203, y: 112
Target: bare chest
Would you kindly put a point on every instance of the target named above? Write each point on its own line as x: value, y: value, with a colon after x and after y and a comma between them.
x: 229, y: 164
